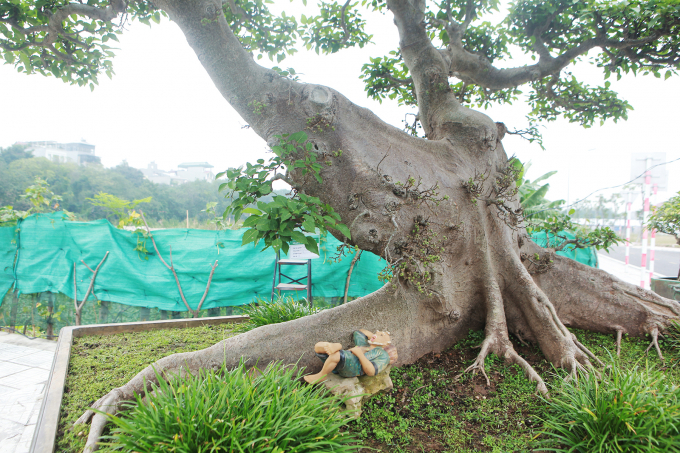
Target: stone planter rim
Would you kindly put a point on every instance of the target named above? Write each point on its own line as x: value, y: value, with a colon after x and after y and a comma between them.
x: 45, y: 434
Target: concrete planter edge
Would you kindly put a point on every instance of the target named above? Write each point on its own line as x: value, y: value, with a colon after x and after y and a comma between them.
x: 44, y: 437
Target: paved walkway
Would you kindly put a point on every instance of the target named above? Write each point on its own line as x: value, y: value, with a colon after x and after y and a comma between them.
x: 24, y: 369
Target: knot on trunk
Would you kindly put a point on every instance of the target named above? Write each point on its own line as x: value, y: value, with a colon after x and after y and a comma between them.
x: 320, y: 105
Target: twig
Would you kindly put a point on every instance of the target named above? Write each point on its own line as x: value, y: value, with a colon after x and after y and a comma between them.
x: 94, y: 275
x: 207, y: 287
x: 349, y: 274
x: 79, y: 307
x: 171, y: 267
x: 343, y: 23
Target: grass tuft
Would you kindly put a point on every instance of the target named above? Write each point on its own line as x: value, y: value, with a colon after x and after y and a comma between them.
x: 234, y: 411
x: 630, y: 410
x: 283, y: 309
x: 671, y: 341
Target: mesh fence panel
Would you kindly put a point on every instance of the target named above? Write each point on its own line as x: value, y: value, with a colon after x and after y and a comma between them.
x: 40, y: 257
x: 45, y: 253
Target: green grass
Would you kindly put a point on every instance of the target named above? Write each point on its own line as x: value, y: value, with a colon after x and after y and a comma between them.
x: 433, y: 407
x: 436, y: 408
x: 234, y: 411
x: 282, y: 309
x: 631, y: 410
x: 101, y: 363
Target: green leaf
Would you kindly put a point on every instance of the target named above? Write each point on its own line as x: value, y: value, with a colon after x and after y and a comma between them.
x: 251, y: 221
x: 344, y: 230
x: 263, y: 224
x: 299, y: 137
x: 309, y: 226
x: 252, y: 211
x: 250, y: 236
x: 311, y: 245
x: 299, y: 237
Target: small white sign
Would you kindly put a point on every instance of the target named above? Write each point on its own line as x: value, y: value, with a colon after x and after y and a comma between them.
x: 300, y: 252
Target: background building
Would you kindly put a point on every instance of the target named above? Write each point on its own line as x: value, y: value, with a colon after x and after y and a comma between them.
x: 80, y: 153
x: 188, y: 171
x: 192, y: 171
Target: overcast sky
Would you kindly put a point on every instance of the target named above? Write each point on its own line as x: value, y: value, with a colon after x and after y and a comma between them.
x: 161, y: 106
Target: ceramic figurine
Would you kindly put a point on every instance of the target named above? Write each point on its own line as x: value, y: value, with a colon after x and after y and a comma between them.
x: 371, y: 354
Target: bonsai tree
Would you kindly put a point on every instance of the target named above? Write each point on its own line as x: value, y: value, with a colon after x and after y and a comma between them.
x: 441, y: 208
x: 666, y: 219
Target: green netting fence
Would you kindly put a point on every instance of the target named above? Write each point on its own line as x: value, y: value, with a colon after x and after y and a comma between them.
x: 39, y: 256
x: 586, y: 256
x: 49, y: 246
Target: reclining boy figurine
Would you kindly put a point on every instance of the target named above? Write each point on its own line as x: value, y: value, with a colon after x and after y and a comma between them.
x: 371, y: 354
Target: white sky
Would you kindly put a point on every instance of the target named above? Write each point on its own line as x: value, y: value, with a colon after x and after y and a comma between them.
x: 161, y: 106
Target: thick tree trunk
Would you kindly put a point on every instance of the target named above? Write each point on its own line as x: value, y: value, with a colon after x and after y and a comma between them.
x: 440, y: 211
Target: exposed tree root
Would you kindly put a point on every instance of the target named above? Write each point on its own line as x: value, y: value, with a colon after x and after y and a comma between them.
x: 529, y: 371
x: 586, y: 350
x: 478, y: 364
x: 655, y: 342
x: 401, y: 314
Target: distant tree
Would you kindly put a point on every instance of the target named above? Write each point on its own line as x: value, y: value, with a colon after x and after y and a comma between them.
x: 666, y: 219
x: 532, y: 195
x: 133, y: 175
x: 76, y: 183
x: 14, y: 152
x: 90, y: 160
x: 123, y: 211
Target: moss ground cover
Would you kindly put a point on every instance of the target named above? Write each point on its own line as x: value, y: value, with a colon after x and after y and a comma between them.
x: 101, y: 363
x: 433, y: 407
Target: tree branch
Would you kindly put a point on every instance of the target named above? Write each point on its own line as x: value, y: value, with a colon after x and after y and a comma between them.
x: 207, y: 286
x: 78, y: 306
x: 55, y: 28
x: 469, y: 16
x: 171, y: 267
x: 343, y: 23
x: 357, y: 254
x: 428, y: 66
x: 94, y: 276
x: 471, y: 67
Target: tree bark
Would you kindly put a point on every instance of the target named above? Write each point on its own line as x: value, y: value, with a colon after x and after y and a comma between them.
x: 440, y: 211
